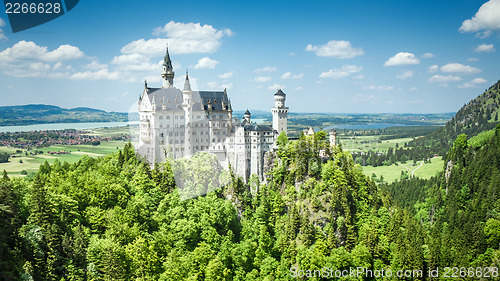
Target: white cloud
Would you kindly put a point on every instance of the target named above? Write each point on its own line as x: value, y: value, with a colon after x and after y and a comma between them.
x: 472, y: 59
x: 413, y: 89
x: 64, y: 52
x: 289, y: 75
x: 486, y: 18
x: 485, y: 48
x: 103, y: 74
x: 444, y: 79
x: 206, y: 62
x: 275, y: 87
x: 24, y: 51
x: 402, y: 58
x: 135, y: 62
x: 405, y: 75
x: 338, y: 49
x: 484, y: 34
x: 265, y: 69
x: 2, y: 35
x: 478, y: 80
x: 26, y: 59
x: 182, y: 38
x: 378, y: 88
x: 433, y: 68
x: 342, y: 72
x: 459, y: 68
x: 226, y: 75
x: 217, y: 86
x: 300, y: 88
x: 95, y: 64
x: 473, y: 83
x: 428, y: 55
x: 262, y: 79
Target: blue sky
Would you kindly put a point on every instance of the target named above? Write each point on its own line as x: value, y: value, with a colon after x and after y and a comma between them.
x: 327, y: 56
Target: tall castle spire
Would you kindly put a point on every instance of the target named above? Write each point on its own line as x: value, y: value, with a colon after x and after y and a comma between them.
x: 168, y: 71
x: 187, y: 85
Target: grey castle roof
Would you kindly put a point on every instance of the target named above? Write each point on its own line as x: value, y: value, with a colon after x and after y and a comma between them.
x: 247, y: 112
x: 280, y: 93
x: 167, y: 62
x: 172, y: 98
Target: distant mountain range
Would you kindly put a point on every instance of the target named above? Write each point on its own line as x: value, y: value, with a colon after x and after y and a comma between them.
x: 31, y: 114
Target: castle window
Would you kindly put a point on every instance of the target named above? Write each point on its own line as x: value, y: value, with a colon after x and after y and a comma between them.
x: 176, y: 116
x: 167, y: 117
x: 161, y: 117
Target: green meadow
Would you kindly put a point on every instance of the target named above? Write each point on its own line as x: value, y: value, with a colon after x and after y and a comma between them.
x: 30, y: 163
x: 393, y: 172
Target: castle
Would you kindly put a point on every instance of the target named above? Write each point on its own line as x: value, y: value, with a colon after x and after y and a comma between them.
x: 178, y: 123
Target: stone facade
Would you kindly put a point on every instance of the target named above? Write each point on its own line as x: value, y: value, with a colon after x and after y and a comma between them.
x: 178, y: 123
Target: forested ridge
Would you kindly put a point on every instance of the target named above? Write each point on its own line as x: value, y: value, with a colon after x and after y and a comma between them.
x: 478, y: 115
x: 115, y: 218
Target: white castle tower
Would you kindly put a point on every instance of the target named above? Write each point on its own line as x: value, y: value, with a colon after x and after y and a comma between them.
x: 280, y: 112
x: 167, y: 72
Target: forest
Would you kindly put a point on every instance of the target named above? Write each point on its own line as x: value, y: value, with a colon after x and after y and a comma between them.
x: 116, y: 218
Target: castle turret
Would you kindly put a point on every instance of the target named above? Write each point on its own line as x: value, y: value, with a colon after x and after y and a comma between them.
x: 167, y: 72
x: 187, y: 105
x: 333, y: 137
x: 247, y: 116
x: 280, y: 112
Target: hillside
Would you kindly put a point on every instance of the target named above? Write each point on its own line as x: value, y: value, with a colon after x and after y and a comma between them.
x: 41, y: 114
x: 480, y: 114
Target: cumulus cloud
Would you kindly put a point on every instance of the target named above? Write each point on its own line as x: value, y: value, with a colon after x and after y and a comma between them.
x: 218, y: 86
x: 444, y: 79
x: 289, y: 75
x: 27, y: 59
x: 473, y: 83
x: 459, y: 68
x: 2, y: 35
x: 103, y: 74
x: 262, y: 79
x: 265, y: 69
x: 486, y: 19
x: 485, y: 48
x: 226, y: 75
x: 95, y: 64
x: 378, y: 88
x: 342, y: 72
x: 182, y: 38
x: 275, y: 87
x: 405, y: 75
x: 428, y: 55
x: 433, y: 68
x: 402, y: 58
x: 337, y: 49
x: 28, y: 50
x: 206, y: 62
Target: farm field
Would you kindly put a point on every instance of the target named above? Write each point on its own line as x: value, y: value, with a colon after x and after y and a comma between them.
x: 366, y: 143
x: 30, y: 163
x: 393, y: 172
